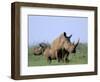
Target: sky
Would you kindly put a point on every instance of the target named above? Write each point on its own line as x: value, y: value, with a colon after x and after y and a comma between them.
x: 47, y: 28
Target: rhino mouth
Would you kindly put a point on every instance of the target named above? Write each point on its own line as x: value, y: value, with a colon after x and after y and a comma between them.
x: 74, y: 51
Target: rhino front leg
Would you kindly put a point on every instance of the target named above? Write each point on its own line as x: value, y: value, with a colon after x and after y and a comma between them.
x: 49, y: 60
x: 59, y: 55
x: 66, y: 57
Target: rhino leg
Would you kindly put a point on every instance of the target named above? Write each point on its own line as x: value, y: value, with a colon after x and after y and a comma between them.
x: 59, y: 55
x: 59, y: 59
x: 66, y: 57
x: 49, y: 60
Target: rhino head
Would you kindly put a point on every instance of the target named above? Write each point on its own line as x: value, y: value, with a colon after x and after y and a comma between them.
x: 71, y: 47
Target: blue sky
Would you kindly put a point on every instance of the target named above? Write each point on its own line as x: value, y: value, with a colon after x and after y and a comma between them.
x: 47, y: 28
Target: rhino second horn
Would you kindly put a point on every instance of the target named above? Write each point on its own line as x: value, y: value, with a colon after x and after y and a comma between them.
x: 77, y: 43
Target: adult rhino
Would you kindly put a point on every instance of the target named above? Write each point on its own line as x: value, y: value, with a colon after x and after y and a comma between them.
x: 61, y: 42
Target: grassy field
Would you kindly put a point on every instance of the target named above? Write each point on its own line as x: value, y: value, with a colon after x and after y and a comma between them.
x: 81, y: 57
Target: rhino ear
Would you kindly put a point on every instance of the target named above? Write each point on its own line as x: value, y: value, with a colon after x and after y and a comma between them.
x: 70, y: 36
x: 41, y: 45
x: 65, y: 34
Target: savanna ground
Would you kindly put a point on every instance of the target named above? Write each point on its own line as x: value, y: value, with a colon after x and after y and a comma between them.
x: 81, y: 57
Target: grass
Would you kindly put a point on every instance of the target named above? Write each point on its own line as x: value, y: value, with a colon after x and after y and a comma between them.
x: 81, y: 57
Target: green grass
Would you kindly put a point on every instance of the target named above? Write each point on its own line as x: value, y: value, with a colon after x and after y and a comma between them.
x: 81, y: 57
